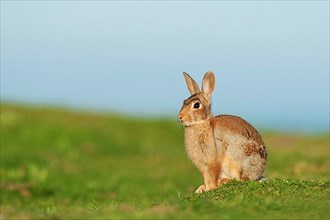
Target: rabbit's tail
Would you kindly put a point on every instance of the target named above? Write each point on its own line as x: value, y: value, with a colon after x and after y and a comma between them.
x: 262, y: 179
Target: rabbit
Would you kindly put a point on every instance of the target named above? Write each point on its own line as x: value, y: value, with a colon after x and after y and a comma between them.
x: 222, y: 147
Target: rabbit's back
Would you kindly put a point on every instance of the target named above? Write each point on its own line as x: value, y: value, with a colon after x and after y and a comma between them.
x: 230, y: 124
x: 240, y: 147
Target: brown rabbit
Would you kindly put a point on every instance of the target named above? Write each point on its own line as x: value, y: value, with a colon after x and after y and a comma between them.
x: 223, y: 147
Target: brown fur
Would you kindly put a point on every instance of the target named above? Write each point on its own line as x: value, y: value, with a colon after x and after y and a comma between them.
x: 223, y: 147
x: 238, y: 125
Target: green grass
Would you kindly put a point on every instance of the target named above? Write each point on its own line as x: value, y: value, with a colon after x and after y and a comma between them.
x: 59, y: 164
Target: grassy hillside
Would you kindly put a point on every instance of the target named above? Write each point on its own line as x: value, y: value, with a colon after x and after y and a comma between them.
x: 62, y: 164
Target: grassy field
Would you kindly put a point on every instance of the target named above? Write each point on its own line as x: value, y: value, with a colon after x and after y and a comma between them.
x: 59, y: 164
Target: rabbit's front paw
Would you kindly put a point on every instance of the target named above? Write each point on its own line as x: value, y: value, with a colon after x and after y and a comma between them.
x: 201, y: 189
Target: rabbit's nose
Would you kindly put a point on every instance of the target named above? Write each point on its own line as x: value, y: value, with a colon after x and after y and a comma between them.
x: 180, y: 117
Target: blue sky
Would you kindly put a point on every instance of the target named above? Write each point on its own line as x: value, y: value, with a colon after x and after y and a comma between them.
x: 271, y: 59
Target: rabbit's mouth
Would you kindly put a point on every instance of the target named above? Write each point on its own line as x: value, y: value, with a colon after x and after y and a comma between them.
x: 183, y: 122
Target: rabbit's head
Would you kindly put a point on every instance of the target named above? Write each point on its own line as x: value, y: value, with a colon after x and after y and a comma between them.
x: 197, y: 108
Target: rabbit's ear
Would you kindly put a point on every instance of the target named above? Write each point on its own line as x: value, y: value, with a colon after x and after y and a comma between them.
x: 208, y: 84
x: 192, y: 85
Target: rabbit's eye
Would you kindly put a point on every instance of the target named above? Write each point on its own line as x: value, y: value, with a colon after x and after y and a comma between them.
x: 196, y: 105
